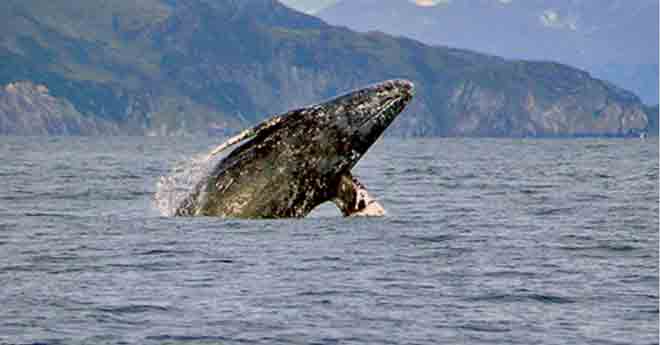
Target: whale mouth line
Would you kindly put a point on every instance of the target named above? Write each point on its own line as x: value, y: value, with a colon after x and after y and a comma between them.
x: 385, y: 107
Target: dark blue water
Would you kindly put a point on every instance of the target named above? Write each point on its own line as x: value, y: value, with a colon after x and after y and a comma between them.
x: 486, y: 242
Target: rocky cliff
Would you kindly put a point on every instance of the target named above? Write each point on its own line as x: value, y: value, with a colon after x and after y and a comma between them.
x: 29, y: 109
x: 548, y: 100
x: 200, y: 66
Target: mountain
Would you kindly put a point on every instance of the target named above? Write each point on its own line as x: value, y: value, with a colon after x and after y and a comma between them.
x: 162, y: 67
x: 616, y: 40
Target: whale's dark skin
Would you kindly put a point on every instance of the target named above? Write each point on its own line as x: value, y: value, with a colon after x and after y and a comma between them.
x: 301, y: 159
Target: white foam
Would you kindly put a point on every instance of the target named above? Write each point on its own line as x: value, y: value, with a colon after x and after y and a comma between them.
x: 171, y: 190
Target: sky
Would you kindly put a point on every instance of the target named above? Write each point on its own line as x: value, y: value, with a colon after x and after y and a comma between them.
x: 312, y: 6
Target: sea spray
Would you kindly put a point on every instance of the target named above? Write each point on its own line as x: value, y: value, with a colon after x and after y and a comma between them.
x: 171, y: 190
x: 182, y: 179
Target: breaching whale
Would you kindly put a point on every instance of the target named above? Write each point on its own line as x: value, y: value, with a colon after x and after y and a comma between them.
x: 294, y: 162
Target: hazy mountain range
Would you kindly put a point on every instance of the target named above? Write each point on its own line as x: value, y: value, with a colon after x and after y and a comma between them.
x: 162, y: 67
x: 613, y: 39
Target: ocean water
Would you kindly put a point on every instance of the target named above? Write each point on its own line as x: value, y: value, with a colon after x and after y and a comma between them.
x: 485, y: 242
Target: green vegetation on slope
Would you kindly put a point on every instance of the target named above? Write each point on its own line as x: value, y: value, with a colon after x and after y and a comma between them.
x: 174, y: 66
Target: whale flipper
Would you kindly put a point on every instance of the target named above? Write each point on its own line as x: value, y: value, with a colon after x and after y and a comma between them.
x: 354, y: 200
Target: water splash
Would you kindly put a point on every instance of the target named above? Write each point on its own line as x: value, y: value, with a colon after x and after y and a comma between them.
x: 172, y: 189
x: 182, y: 179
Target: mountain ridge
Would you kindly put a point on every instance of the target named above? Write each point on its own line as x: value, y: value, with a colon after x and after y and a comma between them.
x: 614, y: 40
x: 188, y: 67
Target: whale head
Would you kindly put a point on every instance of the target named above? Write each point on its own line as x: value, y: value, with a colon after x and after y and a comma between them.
x: 347, y: 126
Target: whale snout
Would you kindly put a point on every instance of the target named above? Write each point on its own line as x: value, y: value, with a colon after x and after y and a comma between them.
x: 405, y: 87
x: 389, y: 99
x: 372, y: 110
x: 395, y: 88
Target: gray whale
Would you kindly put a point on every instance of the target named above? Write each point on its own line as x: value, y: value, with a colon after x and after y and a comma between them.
x: 296, y: 161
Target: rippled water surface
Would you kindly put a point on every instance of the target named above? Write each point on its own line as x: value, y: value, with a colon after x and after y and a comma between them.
x: 486, y: 242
